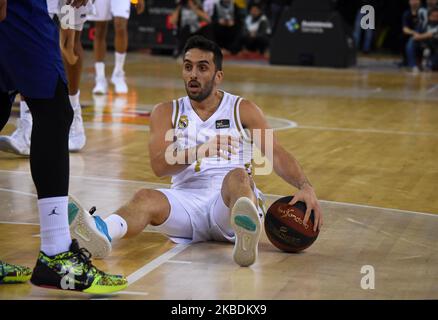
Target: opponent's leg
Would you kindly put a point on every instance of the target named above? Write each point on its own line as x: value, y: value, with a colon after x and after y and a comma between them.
x: 49, y: 161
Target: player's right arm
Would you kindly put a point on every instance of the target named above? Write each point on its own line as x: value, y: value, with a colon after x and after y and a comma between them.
x: 166, y: 159
x: 3, y: 7
x: 160, y: 128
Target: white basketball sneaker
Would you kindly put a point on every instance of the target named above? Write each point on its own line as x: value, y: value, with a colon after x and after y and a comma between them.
x: 19, y: 141
x: 77, y: 138
x: 119, y: 82
x: 101, y: 86
x: 247, y: 227
x: 90, y: 231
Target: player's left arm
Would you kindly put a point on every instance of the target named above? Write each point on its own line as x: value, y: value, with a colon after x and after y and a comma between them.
x: 3, y: 9
x: 284, y: 163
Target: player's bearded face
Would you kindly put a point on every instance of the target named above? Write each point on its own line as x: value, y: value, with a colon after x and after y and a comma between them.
x: 199, y: 74
x: 198, y: 91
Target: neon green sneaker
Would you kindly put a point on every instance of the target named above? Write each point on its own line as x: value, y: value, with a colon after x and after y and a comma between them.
x: 72, y: 270
x: 10, y: 273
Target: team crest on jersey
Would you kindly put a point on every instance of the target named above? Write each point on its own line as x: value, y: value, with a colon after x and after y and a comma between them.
x: 183, y: 122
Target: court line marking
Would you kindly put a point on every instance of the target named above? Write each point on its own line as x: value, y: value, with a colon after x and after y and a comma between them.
x: 380, y: 208
x: 362, y: 130
x: 20, y: 223
x: 116, y: 294
x: 432, y: 89
x: 134, y: 293
x: 152, y: 265
x: 289, y: 125
x: 19, y: 192
x: 272, y: 196
x: 390, y: 235
x: 179, y: 261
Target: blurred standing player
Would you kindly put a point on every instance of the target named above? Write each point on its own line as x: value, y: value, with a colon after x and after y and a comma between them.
x: 31, y: 64
x: 72, y: 52
x: 105, y: 11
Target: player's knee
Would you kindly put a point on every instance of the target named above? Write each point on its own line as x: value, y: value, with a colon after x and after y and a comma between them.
x: 100, y: 33
x: 120, y: 25
x: 155, y: 205
x: 238, y: 175
x: 78, y: 47
x: 142, y: 196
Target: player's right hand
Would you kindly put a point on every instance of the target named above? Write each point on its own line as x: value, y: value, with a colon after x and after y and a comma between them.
x: 3, y: 6
x: 220, y: 146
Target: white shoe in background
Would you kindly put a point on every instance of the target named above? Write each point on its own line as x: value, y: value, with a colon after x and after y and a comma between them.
x: 19, y: 141
x: 77, y: 138
x: 101, y: 86
x: 119, y: 82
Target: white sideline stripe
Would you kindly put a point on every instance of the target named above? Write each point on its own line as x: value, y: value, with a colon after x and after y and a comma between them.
x: 432, y: 89
x: 133, y: 293
x: 379, y: 208
x: 179, y: 261
x: 273, y: 196
x: 147, y: 268
x: 389, y: 234
x: 94, y: 178
x: 21, y: 223
x: 364, y: 130
x: 19, y: 192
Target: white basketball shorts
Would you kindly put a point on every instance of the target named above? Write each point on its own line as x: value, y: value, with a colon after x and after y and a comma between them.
x: 198, y: 215
x: 107, y: 9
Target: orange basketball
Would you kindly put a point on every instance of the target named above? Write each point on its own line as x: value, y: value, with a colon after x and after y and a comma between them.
x: 284, y: 226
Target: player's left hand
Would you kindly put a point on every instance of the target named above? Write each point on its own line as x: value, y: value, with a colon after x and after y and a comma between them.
x: 77, y: 3
x: 139, y: 6
x: 307, y: 195
x: 3, y: 6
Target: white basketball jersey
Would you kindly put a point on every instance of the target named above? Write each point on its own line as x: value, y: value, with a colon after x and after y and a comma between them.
x: 190, y: 130
x: 53, y: 6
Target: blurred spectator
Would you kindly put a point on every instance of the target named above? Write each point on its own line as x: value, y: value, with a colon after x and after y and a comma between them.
x: 187, y: 17
x: 226, y: 25
x: 429, y: 40
x: 431, y: 4
x: 276, y: 8
x: 413, y: 21
x: 256, y: 30
x: 208, y: 6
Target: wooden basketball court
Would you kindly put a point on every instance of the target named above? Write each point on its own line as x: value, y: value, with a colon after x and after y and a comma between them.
x: 367, y: 139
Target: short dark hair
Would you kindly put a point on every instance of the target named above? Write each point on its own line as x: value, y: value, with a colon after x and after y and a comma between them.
x: 202, y: 43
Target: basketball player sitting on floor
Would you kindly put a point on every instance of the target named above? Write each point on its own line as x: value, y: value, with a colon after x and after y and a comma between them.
x: 213, y: 196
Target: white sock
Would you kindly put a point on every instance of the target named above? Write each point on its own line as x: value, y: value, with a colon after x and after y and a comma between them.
x: 117, y: 226
x: 74, y: 101
x: 55, y: 232
x: 120, y: 62
x: 25, y: 112
x: 100, y: 69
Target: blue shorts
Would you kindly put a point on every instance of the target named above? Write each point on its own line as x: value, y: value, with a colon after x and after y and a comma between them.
x: 30, y: 57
